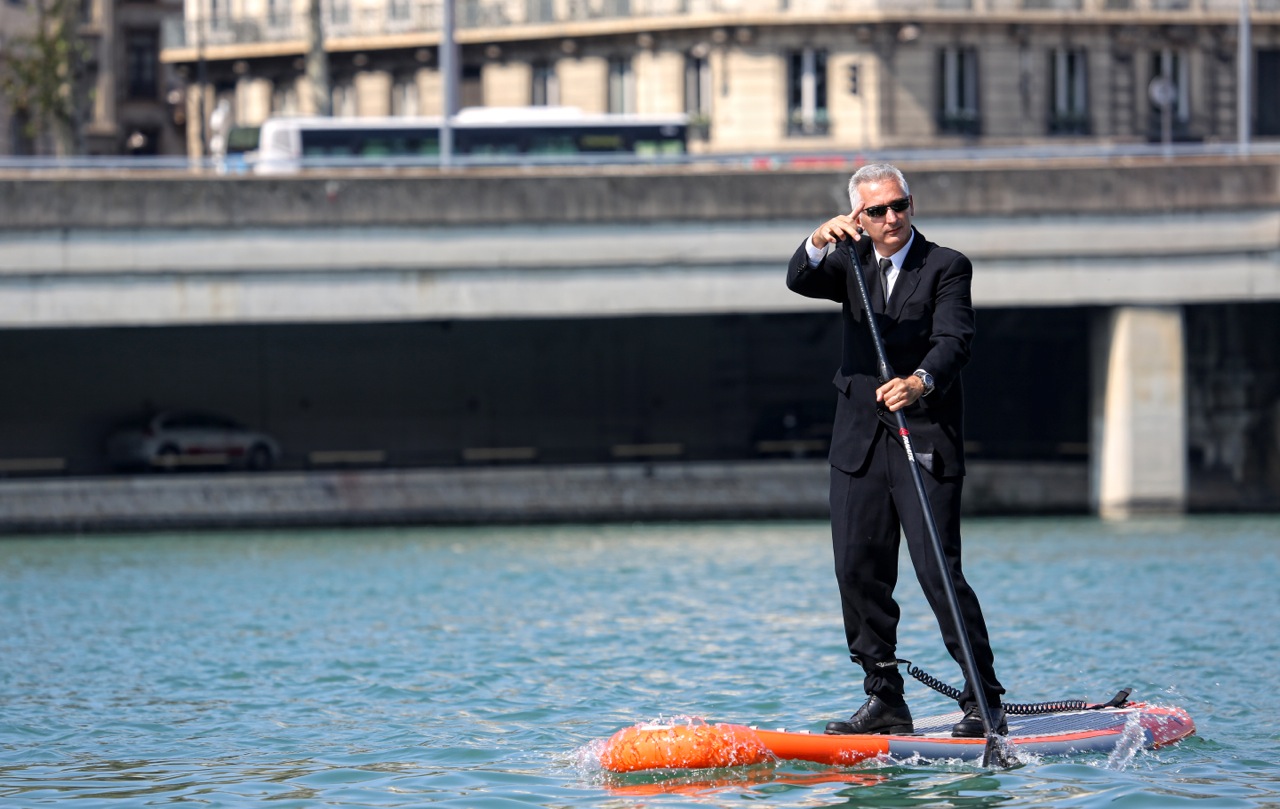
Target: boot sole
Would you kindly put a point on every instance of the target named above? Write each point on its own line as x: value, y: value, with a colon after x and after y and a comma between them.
x: 891, y: 730
x: 1004, y: 731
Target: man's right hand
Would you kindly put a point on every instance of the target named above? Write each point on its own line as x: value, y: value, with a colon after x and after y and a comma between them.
x: 835, y: 229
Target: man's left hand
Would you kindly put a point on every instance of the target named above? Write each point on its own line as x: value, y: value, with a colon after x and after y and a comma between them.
x: 901, y: 392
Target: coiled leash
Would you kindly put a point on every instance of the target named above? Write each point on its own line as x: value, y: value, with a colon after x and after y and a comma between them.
x: 1016, y: 708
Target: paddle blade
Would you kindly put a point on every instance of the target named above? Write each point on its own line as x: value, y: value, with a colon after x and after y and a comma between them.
x: 995, y: 754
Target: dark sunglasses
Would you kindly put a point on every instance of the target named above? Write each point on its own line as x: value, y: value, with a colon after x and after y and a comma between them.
x: 898, y: 206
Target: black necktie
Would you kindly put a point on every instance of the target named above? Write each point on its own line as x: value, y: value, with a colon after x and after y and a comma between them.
x: 885, y: 266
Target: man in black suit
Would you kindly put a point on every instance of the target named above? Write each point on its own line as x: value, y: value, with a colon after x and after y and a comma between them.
x: 920, y: 296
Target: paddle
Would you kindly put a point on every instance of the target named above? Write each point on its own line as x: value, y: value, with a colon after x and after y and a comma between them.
x: 993, y: 754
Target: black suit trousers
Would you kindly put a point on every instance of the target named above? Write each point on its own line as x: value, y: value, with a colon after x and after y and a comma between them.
x: 870, y: 510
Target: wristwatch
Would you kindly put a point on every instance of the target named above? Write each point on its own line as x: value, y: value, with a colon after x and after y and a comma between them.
x: 926, y: 378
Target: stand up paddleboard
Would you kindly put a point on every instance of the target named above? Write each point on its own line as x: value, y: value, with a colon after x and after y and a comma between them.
x: 697, y: 745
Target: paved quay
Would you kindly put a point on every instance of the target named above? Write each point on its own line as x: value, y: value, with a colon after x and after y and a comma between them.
x: 613, y: 493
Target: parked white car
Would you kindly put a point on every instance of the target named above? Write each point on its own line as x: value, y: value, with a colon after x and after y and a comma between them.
x: 173, y: 439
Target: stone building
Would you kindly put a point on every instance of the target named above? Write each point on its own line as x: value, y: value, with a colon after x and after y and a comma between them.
x: 126, y: 100
x: 136, y: 106
x: 765, y: 75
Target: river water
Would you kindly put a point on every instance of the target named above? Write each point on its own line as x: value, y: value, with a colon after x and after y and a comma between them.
x: 481, y: 667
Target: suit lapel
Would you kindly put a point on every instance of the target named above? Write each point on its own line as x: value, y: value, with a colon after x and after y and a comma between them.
x: 867, y: 258
x: 908, y: 278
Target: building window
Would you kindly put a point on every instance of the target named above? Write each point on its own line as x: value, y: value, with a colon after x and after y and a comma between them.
x: 404, y: 96
x: 225, y: 105
x: 697, y: 84
x: 1068, y: 92
x: 279, y: 13
x: 622, y: 90
x: 20, y: 140
x: 142, y: 51
x: 958, y: 76
x: 400, y: 10
x: 217, y: 15
x: 807, y: 112
x: 540, y: 10
x: 340, y: 12
x: 342, y: 98
x: 284, y: 97
x: 471, y: 86
x: 1170, y: 68
x: 1267, y: 91
x: 545, y: 89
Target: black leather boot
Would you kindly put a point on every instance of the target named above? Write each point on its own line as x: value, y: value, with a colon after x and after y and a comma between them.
x: 971, y: 726
x: 875, y: 716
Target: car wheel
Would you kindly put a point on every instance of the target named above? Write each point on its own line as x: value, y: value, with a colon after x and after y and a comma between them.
x: 167, y: 458
x: 259, y: 458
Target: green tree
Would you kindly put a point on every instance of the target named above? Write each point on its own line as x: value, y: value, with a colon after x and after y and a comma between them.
x: 41, y: 76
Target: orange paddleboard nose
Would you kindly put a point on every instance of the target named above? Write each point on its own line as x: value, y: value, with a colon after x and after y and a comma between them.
x: 648, y: 747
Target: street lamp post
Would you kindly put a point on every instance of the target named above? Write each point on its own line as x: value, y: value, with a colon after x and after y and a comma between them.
x: 449, y: 74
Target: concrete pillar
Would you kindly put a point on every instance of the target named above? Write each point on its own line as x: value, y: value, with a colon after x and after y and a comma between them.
x: 584, y: 83
x: 507, y: 84
x: 373, y: 93
x: 1138, y: 424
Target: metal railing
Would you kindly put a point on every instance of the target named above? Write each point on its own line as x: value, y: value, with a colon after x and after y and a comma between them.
x: 399, y: 16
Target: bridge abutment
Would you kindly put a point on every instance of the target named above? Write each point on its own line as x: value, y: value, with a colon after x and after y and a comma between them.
x: 1138, y: 424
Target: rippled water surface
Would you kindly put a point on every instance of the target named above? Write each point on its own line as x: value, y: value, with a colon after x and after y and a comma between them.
x: 477, y: 667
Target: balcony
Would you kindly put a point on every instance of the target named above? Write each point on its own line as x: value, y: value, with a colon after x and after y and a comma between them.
x: 816, y: 125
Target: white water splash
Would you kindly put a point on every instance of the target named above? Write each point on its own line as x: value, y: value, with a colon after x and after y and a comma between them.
x: 1132, y: 739
x: 586, y: 759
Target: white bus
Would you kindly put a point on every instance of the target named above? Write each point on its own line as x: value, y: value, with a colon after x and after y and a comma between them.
x: 480, y: 135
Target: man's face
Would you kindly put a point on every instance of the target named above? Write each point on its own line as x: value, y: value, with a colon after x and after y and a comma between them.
x: 891, y: 230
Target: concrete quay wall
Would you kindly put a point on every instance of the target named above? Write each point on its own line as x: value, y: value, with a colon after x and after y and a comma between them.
x: 622, y: 195
x: 622, y: 492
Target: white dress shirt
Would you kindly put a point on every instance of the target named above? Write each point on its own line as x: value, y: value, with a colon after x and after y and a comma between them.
x: 891, y: 277
x: 816, y: 253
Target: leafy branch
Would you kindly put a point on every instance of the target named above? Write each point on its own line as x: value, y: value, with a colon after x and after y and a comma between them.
x: 40, y: 74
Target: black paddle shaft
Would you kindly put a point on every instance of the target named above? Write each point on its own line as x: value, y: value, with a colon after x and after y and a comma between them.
x: 949, y: 586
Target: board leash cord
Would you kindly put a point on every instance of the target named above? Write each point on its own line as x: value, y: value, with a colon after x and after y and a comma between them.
x: 1019, y: 708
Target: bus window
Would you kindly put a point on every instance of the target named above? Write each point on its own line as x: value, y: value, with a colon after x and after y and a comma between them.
x: 654, y: 148
x: 328, y: 143
x: 549, y: 143
x: 377, y: 147
x: 601, y: 142
x: 496, y: 141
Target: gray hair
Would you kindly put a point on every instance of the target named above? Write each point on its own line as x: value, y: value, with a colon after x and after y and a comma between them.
x: 874, y: 173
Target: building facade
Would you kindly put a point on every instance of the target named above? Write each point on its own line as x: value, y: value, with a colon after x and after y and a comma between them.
x: 765, y: 75
x: 137, y: 103
x: 124, y: 100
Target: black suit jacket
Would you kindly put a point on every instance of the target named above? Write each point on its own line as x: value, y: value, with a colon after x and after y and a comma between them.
x: 928, y: 323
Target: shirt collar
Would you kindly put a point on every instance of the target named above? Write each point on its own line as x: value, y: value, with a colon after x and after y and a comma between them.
x: 899, y: 257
